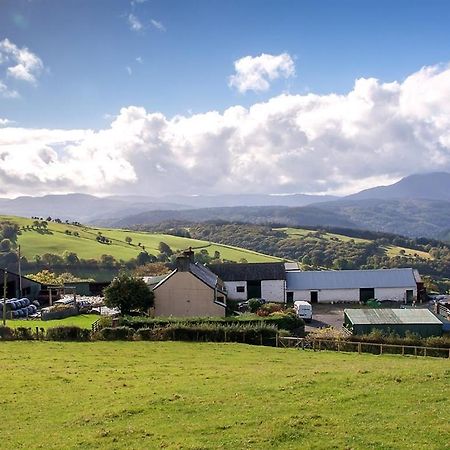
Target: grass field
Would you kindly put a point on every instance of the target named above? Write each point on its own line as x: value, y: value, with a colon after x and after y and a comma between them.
x: 34, y: 242
x: 390, y: 250
x: 82, y: 321
x: 147, y: 395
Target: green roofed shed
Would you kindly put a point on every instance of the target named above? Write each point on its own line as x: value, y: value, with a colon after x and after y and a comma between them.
x: 415, y: 320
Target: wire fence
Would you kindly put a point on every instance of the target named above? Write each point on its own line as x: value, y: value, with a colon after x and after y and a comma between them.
x: 361, y: 347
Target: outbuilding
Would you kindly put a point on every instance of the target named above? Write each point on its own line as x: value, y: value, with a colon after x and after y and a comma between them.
x: 399, y: 285
x: 253, y: 280
x: 14, y: 282
x: 420, y: 321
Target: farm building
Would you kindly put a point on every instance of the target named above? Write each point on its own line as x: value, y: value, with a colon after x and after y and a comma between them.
x: 190, y: 290
x: 414, y: 320
x: 30, y: 288
x: 253, y: 280
x: 401, y: 285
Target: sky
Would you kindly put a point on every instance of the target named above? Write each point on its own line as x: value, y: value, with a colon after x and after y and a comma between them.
x: 156, y: 97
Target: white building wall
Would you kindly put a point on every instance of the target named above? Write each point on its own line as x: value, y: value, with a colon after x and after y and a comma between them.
x: 232, y: 293
x: 273, y: 290
x: 398, y: 294
x: 352, y: 295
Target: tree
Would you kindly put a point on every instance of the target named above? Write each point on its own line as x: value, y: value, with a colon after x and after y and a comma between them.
x: 71, y: 258
x: 128, y: 240
x: 128, y: 294
x: 145, y: 258
x: 165, y: 249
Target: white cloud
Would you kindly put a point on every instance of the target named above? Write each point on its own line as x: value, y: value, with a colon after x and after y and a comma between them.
x: 128, y: 69
x: 139, y: 59
x: 158, y: 25
x: 6, y: 92
x: 134, y: 23
x: 377, y: 132
x: 4, y: 122
x: 254, y: 73
x: 22, y: 64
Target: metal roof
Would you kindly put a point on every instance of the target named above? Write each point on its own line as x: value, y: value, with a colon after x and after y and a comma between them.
x: 391, y: 316
x: 249, y: 271
x: 204, y: 274
x: 350, y: 279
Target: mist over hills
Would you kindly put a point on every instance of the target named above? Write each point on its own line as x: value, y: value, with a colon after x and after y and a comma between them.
x: 417, y: 205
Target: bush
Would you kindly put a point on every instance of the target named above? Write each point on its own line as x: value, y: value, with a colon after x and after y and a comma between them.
x: 269, y: 308
x: 23, y: 334
x: 116, y: 334
x: 6, y: 333
x: 146, y: 334
x: 68, y: 333
x: 254, y: 304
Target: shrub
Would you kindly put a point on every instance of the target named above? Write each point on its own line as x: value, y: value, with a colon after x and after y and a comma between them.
x: 6, y: 333
x: 68, y: 333
x: 23, y: 334
x: 116, y: 334
x: 269, y: 308
x: 146, y: 334
x: 254, y: 304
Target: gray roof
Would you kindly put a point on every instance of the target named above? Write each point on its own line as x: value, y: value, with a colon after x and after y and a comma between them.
x: 351, y: 279
x: 391, y: 316
x: 204, y: 274
x: 249, y: 271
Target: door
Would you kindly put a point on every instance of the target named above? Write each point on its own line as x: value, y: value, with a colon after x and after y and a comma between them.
x: 314, y: 296
x: 409, y: 296
x: 366, y: 294
x: 289, y: 297
x: 253, y: 289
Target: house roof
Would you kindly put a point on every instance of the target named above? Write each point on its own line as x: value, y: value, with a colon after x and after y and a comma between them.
x: 249, y: 271
x: 391, y: 316
x: 199, y: 271
x: 351, y: 279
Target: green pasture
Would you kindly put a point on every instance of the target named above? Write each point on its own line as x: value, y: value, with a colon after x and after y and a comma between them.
x: 55, y: 240
x: 174, y: 395
x: 391, y: 250
x: 82, y: 321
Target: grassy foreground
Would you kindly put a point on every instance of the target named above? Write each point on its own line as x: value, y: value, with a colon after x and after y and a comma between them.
x: 206, y: 396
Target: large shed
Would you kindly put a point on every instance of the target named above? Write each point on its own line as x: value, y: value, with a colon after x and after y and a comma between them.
x: 14, y: 281
x: 414, y: 320
x: 253, y: 280
x: 353, y: 285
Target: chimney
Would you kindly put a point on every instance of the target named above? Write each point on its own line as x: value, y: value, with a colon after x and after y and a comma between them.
x: 184, y: 260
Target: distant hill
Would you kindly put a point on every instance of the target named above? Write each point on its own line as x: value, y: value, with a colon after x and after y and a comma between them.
x: 431, y: 186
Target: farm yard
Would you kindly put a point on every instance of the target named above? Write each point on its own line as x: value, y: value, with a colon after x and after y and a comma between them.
x: 207, y: 396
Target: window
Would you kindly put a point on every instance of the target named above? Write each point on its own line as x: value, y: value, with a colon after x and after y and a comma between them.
x: 240, y: 288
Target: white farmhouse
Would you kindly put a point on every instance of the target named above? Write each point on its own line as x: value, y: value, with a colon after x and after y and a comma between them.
x: 401, y: 285
x: 253, y: 280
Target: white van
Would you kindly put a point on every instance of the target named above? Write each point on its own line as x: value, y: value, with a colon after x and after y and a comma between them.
x: 303, y: 310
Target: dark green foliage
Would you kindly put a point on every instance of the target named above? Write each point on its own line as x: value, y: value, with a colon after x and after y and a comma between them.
x: 116, y: 334
x: 68, y: 333
x: 23, y: 334
x: 211, y: 332
x: 254, y: 304
x: 282, y: 321
x: 128, y: 294
x: 6, y: 333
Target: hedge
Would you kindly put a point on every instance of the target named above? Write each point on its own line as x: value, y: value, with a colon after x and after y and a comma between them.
x: 68, y: 333
x: 279, y: 320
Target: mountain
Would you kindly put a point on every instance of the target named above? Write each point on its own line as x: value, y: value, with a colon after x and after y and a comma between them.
x: 431, y: 186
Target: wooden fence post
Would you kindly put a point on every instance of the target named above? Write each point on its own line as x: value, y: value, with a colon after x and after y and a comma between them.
x: 359, y: 347
x: 276, y: 340
x: 381, y: 349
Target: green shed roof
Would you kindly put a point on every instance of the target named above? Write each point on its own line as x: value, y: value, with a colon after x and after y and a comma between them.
x: 391, y: 316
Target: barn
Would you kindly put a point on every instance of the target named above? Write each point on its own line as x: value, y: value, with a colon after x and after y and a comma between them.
x: 30, y: 288
x: 400, y: 285
x: 253, y: 280
x: 399, y: 321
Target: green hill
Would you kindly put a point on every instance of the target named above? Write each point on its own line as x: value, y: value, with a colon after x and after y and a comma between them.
x: 60, y: 237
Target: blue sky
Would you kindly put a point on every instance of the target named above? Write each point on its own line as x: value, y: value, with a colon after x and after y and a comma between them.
x: 86, y: 47
x: 204, y: 96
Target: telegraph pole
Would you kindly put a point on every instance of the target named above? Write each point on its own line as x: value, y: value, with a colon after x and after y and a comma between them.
x: 5, y: 279
x: 20, y: 274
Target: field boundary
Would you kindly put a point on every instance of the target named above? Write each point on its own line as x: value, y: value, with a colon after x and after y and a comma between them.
x: 361, y: 347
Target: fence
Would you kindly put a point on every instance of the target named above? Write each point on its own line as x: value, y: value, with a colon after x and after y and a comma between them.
x: 361, y: 347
